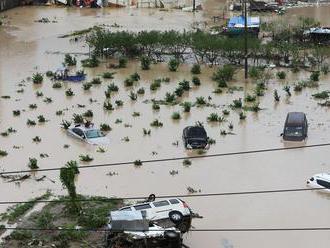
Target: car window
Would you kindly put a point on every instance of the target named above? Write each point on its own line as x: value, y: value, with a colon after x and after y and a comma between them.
x: 92, y: 134
x: 126, y: 209
x: 77, y: 131
x: 323, y: 183
x: 161, y: 203
x: 141, y: 207
x: 174, y: 201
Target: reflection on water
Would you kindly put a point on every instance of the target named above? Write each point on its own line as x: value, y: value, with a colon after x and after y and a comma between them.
x: 27, y: 47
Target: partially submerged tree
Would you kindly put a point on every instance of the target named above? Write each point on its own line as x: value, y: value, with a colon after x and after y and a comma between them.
x: 67, y: 177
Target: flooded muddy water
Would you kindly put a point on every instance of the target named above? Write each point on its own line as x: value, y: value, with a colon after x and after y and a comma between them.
x: 27, y: 47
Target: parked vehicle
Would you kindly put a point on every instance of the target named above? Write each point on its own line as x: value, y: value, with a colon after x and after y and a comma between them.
x: 167, y: 212
x: 195, y: 137
x: 320, y: 181
x: 295, y: 127
x: 131, y: 229
x: 88, y: 134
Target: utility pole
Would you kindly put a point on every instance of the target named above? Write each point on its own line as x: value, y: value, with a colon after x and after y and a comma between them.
x: 194, y: 5
x: 245, y: 41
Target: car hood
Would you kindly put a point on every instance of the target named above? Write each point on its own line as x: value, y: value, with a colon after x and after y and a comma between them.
x: 99, y: 141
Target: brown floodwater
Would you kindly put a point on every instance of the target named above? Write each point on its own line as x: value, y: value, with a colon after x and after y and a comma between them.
x: 27, y: 47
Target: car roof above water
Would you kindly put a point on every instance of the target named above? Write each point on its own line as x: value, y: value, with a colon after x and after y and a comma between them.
x: 295, y: 118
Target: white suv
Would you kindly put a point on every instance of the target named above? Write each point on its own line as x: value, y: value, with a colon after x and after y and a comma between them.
x: 173, y: 209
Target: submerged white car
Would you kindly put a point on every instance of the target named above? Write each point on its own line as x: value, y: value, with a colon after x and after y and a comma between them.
x: 320, y: 181
x: 89, y: 134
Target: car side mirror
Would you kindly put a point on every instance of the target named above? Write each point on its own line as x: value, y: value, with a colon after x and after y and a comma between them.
x: 281, y: 134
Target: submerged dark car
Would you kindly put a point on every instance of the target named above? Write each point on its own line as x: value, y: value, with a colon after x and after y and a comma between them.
x: 195, y: 137
x: 296, y: 127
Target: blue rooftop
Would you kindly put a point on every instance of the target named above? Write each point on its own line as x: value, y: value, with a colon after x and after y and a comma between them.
x: 238, y: 22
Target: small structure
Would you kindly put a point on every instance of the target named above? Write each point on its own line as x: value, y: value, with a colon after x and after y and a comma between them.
x: 320, y: 34
x: 236, y: 25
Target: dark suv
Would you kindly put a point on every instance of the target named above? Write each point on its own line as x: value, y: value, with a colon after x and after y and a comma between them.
x: 296, y: 127
x: 195, y: 137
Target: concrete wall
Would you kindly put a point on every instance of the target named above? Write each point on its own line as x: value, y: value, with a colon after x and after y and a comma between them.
x: 8, y: 4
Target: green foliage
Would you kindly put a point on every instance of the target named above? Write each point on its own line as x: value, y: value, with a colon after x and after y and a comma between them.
x: 315, y: 76
x: 113, y: 88
x: 21, y: 235
x: 281, y: 74
x: 186, y: 106
x: 173, y: 64
x: 140, y: 91
x: 108, y: 75
x: 122, y: 62
x: 250, y: 98
x: 108, y: 106
x: 156, y: 123
x: 85, y: 158
x: 69, y: 60
x: 33, y: 164
x: 242, y: 116
x: 37, y: 78
x: 255, y: 72
x: 213, y: 117
x: 176, y: 116
x: 31, y: 122
x: 196, y: 81
x: 57, y: 85
x: 88, y: 114
x: 3, y: 153
x: 16, y: 112
x: 65, y: 124
x: 155, y: 106
x: 78, y: 119
x: 195, y: 69
x: 105, y: 127
x: 69, y: 92
x: 224, y: 74
x: 67, y: 177
x: 287, y: 88
x: 91, y: 62
x: 15, y: 212
x: 322, y: 95
x: 169, y: 97
x: 45, y: 220
x: 145, y: 62
x: 96, y: 81
x: 237, y: 103
x: 200, y: 101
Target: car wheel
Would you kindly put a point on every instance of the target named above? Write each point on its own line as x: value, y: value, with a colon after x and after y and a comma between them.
x: 176, y: 217
x: 151, y: 197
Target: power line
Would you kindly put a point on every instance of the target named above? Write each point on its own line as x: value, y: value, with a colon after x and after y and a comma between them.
x: 173, y: 159
x: 191, y: 230
x: 168, y: 196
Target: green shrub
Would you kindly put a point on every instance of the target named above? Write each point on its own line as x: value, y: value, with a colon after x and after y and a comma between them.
x: 69, y: 60
x: 33, y: 164
x: 224, y: 74
x: 145, y: 62
x: 176, y: 116
x: 108, y: 75
x: 195, y: 69
x: 196, y: 81
x: 37, y: 78
x: 122, y: 62
x: 281, y: 74
x: 315, y: 76
x: 173, y: 64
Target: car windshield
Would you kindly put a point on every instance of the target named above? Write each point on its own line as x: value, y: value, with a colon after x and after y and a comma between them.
x: 293, y: 131
x: 92, y: 134
x: 196, y: 133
